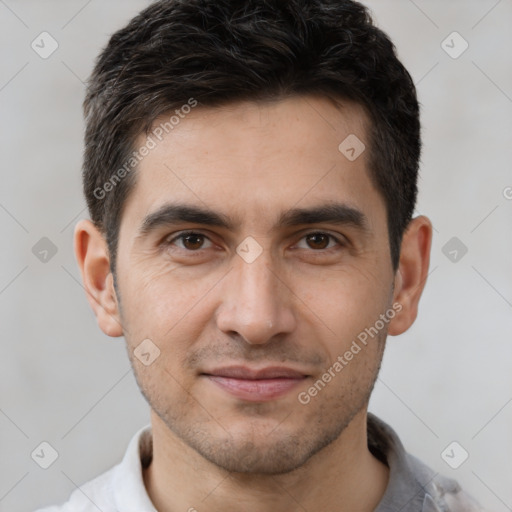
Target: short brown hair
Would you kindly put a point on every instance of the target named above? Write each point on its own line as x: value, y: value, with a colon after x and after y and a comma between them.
x: 222, y: 51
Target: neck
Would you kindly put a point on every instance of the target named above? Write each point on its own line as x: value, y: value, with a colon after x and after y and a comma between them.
x: 343, y: 476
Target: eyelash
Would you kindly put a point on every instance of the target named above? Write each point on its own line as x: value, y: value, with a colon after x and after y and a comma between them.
x: 184, y: 234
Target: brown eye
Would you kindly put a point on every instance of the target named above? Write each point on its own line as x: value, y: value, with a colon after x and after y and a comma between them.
x: 192, y: 242
x: 318, y: 240
x: 322, y: 243
x: 189, y: 241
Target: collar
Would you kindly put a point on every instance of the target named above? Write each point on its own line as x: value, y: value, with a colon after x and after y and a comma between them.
x: 407, y: 491
x: 409, y: 478
x: 130, y: 494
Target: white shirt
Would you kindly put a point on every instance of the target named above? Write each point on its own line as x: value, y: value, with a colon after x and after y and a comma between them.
x: 120, y: 489
x: 412, y: 487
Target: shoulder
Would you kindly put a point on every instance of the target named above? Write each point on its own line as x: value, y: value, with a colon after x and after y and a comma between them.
x: 119, y: 488
x: 442, y: 494
x: 94, y: 495
x: 413, y: 486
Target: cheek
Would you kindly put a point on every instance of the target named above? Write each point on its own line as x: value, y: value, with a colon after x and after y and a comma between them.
x: 165, y: 304
x: 344, y: 302
x: 167, y: 290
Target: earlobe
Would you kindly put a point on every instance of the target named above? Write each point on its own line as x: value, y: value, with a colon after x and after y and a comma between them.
x: 412, y: 273
x: 94, y: 263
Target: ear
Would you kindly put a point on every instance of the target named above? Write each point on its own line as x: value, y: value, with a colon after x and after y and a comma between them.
x: 93, y: 259
x: 412, y: 273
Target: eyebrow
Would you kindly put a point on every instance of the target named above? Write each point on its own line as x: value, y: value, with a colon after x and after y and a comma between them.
x: 176, y: 213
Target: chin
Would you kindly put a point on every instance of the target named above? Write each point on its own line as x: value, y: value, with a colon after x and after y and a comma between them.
x: 267, y: 452
x: 265, y: 457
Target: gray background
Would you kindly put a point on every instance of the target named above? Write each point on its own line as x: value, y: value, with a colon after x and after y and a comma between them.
x: 447, y: 379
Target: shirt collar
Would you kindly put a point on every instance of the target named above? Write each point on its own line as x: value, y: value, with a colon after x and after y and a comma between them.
x: 408, y: 477
x: 130, y: 494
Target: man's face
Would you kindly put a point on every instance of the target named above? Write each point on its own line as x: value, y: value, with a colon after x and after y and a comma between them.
x: 287, y: 298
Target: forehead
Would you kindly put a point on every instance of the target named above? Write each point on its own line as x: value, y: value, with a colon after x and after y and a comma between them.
x: 253, y: 160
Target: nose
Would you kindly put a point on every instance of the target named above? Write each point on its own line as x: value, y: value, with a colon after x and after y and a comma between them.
x: 257, y: 304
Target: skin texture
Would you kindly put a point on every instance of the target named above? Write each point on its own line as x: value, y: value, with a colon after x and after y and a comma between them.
x: 300, y: 304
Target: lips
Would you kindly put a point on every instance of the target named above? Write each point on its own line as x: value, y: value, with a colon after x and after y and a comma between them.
x: 256, y: 385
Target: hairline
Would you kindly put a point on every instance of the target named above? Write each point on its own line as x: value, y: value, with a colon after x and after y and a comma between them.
x: 339, y: 101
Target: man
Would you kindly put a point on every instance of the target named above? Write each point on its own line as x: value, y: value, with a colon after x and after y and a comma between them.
x: 250, y: 170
